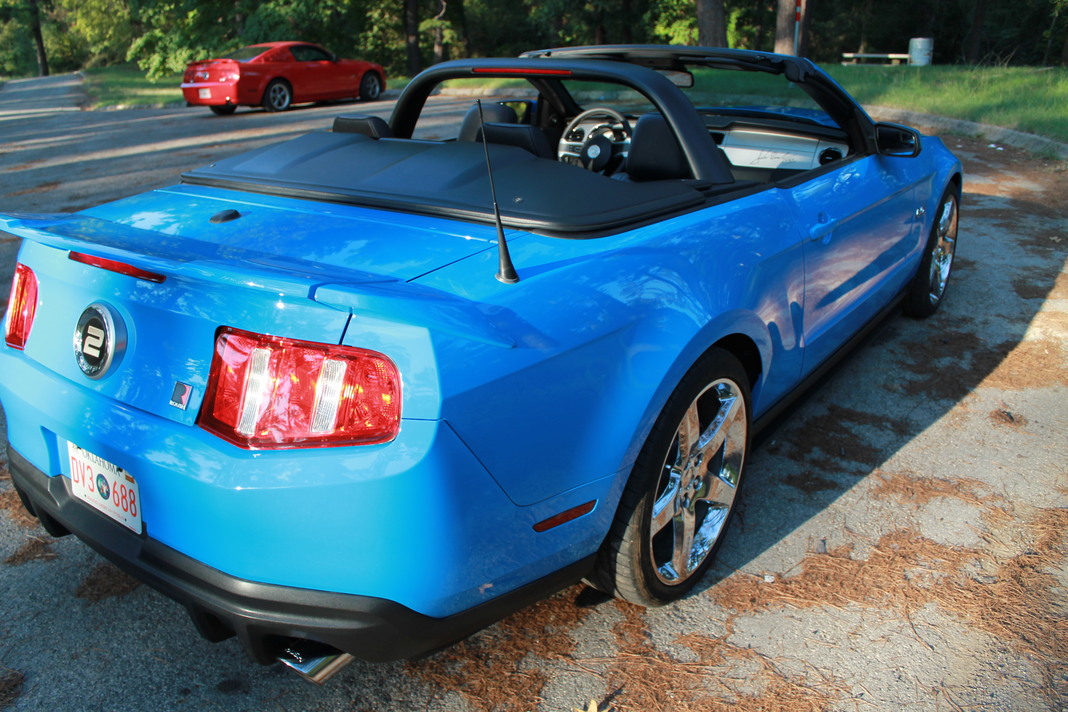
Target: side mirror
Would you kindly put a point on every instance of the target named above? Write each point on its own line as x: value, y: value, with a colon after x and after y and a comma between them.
x: 897, y: 140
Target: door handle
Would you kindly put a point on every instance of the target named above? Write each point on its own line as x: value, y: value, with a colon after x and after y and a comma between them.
x: 822, y: 229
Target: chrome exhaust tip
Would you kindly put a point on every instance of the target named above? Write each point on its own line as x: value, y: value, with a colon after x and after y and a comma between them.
x: 314, y: 662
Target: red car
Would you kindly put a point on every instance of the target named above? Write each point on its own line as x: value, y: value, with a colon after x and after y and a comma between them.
x: 275, y: 75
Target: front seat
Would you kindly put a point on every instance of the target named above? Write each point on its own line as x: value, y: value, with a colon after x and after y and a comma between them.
x: 655, y: 153
x: 493, y: 113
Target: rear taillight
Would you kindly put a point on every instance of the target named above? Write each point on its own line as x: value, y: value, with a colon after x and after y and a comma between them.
x: 21, y: 307
x: 271, y: 392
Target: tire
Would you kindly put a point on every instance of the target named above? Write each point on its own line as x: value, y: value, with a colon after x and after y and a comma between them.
x: 223, y: 109
x: 677, y: 505
x: 370, y: 87
x: 928, y: 288
x: 277, y: 96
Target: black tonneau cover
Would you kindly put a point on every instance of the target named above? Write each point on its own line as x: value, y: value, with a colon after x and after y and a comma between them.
x: 447, y: 179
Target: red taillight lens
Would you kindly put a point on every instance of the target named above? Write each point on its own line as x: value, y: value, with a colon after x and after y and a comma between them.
x: 272, y: 392
x: 21, y: 307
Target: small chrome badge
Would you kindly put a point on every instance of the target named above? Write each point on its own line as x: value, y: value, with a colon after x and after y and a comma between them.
x: 99, y: 340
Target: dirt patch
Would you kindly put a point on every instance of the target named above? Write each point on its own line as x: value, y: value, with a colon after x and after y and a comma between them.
x: 810, y: 483
x: 27, y: 164
x: 42, y: 188
x: 917, y: 490
x: 1004, y: 417
x: 36, y: 549
x: 1034, y: 363
x: 11, y: 505
x: 105, y: 581
x: 10, y: 686
x: 825, y: 440
x: 487, y: 669
x: 645, y: 679
x: 1014, y: 598
x: 950, y: 363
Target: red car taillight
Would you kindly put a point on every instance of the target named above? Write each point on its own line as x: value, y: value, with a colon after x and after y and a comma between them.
x: 21, y: 307
x: 272, y: 392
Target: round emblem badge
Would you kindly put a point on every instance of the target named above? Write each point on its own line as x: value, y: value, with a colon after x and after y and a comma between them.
x: 99, y: 340
x: 103, y: 487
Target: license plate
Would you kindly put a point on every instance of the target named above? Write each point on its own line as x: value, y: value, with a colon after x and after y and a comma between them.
x: 105, y: 486
x: 205, y: 93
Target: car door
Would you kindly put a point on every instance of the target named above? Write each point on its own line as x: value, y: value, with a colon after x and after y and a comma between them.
x: 861, y: 225
x: 315, y: 71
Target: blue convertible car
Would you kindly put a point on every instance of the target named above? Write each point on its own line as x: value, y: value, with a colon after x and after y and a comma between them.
x: 363, y: 392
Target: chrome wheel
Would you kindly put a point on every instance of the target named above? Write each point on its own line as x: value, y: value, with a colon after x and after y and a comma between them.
x: 278, y: 96
x: 927, y: 290
x: 698, y: 482
x: 370, y: 87
x: 945, y: 242
x: 681, y: 493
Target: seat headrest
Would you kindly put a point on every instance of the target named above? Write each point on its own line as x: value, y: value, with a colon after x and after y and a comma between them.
x: 655, y: 153
x: 372, y: 126
x: 524, y: 136
x: 493, y: 113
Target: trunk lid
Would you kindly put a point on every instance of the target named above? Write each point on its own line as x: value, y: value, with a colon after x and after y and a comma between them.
x: 259, y: 271
x: 212, y: 70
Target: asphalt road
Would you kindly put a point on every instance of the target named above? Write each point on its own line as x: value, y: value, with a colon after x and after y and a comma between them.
x: 900, y: 545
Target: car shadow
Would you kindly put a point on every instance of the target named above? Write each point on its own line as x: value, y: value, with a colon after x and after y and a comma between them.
x: 852, y: 429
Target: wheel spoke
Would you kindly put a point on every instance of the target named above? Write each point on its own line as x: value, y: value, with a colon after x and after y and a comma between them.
x: 666, y: 506
x: 682, y: 564
x: 689, y: 441
x: 712, y: 438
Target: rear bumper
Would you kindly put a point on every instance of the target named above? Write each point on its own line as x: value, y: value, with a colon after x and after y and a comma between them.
x: 265, y: 617
x: 210, y: 93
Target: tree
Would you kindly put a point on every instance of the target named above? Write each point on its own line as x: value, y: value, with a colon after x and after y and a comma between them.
x: 38, y: 38
x: 711, y: 23
x: 784, y: 27
x: 973, y: 42
x: 411, y: 36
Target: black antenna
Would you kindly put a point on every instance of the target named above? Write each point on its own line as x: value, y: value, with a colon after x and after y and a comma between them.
x: 505, y: 269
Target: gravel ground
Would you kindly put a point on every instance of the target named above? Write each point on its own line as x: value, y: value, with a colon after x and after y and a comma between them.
x: 901, y: 543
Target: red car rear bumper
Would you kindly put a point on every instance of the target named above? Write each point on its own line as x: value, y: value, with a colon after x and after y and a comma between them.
x: 210, y: 93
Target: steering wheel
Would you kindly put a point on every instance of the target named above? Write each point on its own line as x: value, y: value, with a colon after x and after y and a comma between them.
x: 599, y: 150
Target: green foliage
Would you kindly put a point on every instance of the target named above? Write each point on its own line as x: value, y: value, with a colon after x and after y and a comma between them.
x: 181, y: 31
x: 674, y: 22
x: 161, y: 36
x: 16, y: 50
x: 103, y: 28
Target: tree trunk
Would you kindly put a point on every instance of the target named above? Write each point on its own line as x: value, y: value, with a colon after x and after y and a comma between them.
x: 865, y: 19
x: 711, y: 23
x: 600, y: 35
x: 411, y: 35
x: 973, y: 42
x: 439, y: 34
x: 802, y: 49
x: 784, y: 27
x: 38, y: 38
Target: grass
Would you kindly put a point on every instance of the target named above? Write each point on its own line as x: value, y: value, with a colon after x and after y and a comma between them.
x: 1027, y: 99
x: 1031, y: 99
x: 126, y: 85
